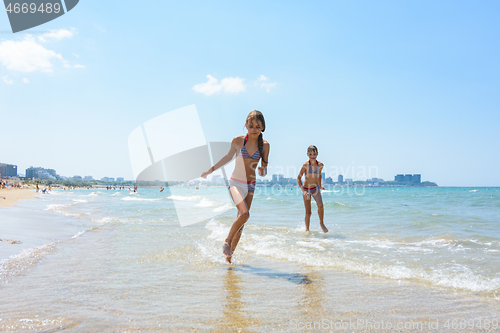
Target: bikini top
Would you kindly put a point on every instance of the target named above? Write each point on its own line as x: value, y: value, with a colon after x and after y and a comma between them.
x: 317, y: 167
x: 244, y: 152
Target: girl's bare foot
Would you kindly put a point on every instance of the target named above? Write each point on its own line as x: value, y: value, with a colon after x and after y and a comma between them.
x: 325, y: 230
x: 226, y: 250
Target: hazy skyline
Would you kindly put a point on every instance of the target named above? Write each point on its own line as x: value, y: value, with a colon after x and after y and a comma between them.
x: 393, y: 87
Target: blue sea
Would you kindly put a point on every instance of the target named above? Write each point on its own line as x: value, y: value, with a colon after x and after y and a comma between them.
x: 115, y: 260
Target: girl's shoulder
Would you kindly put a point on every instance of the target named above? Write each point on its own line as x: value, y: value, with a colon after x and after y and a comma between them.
x: 266, y: 143
x: 239, y: 140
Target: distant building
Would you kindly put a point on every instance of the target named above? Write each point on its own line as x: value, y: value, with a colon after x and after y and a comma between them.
x: 375, y: 180
x: 348, y: 181
x: 281, y: 178
x: 275, y: 178
x: 8, y: 170
x: 77, y: 178
x: 416, y: 179
x: 107, y: 179
x: 120, y: 179
x: 44, y: 174
x: 408, y: 178
x: 341, y: 179
x: 329, y: 180
x: 217, y: 180
x: 88, y: 178
x: 40, y: 173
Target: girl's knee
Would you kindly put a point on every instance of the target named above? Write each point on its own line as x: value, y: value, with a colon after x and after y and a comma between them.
x: 308, y: 213
x: 320, y: 205
x: 245, y: 216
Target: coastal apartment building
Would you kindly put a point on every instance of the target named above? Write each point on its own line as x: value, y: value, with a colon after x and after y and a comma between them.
x: 8, y: 170
x: 40, y: 173
x: 408, y: 178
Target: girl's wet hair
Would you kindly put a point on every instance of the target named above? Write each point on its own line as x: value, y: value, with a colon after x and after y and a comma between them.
x: 257, y: 115
x: 312, y: 148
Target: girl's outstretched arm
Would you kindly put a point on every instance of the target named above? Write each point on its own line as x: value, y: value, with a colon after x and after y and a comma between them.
x: 224, y: 160
x: 265, y: 159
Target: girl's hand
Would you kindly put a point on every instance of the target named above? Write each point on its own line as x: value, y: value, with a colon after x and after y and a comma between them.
x: 262, y: 171
x: 306, y: 194
x: 206, y: 173
x: 322, y: 188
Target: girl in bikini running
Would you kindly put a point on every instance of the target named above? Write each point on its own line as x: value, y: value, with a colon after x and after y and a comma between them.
x: 312, y: 185
x: 243, y: 179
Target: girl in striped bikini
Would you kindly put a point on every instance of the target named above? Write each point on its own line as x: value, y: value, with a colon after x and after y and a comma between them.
x: 243, y: 179
x: 312, y: 185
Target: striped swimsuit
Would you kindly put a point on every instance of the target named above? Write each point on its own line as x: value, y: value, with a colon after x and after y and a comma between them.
x: 312, y: 190
x: 248, y: 186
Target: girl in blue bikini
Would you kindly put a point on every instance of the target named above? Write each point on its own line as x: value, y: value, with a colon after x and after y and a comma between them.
x: 311, y: 170
x: 243, y: 179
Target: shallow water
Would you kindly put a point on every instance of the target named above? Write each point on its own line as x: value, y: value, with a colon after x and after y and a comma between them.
x: 97, y: 260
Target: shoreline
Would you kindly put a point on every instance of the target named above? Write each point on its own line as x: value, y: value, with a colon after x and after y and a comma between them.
x: 12, y: 196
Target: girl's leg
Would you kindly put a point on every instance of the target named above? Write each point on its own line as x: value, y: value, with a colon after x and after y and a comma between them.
x: 236, y: 238
x: 307, y: 204
x: 321, y: 211
x: 242, y: 217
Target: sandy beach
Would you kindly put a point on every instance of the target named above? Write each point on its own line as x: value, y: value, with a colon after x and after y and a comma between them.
x: 11, y: 196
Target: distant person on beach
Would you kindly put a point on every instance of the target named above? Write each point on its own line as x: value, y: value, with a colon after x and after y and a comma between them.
x: 135, y: 188
x: 243, y: 179
x: 161, y: 189
x: 37, y: 188
x: 311, y: 170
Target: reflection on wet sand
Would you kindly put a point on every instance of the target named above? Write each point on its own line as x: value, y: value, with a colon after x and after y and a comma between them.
x: 313, y: 297
x: 241, y: 306
x: 233, y: 308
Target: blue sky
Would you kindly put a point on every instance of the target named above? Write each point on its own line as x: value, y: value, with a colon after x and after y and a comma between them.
x: 387, y: 86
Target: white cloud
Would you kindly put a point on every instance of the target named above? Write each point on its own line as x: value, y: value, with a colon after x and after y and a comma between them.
x: 56, y: 35
x: 28, y: 55
x: 208, y: 88
x: 262, y: 80
x: 232, y: 85
x: 7, y: 80
x: 25, y: 80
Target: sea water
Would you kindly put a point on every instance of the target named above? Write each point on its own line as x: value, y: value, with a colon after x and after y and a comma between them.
x: 97, y: 259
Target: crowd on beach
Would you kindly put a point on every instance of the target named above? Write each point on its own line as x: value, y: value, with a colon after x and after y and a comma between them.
x: 5, y: 184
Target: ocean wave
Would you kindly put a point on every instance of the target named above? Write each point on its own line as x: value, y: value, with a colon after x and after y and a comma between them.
x: 206, y: 203
x: 139, y: 199
x: 224, y: 208
x: 78, y: 234
x: 363, y: 256
x: 27, y: 258
x: 184, y: 198
x: 63, y: 209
